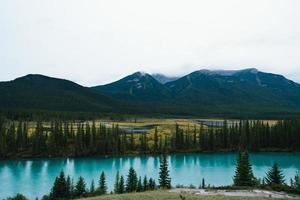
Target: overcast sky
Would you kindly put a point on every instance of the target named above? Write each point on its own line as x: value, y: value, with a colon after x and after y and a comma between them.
x: 94, y: 42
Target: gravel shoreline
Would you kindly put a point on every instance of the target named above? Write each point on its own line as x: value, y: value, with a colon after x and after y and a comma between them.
x: 238, y: 193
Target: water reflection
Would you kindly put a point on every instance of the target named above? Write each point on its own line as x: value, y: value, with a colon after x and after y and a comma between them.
x: 35, y: 177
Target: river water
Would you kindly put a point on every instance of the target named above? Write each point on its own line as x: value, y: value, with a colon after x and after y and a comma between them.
x: 35, y: 177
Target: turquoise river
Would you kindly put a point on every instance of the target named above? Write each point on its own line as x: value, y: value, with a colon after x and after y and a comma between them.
x: 35, y: 177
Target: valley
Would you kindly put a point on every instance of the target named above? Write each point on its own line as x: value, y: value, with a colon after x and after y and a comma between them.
x: 149, y: 100
x: 199, y: 121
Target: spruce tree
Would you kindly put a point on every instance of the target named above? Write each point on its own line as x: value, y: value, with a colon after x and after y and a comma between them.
x: 102, y: 184
x: 139, y: 185
x: 92, y: 188
x: 131, y: 184
x: 60, y: 187
x: 132, y: 144
x: 3, y: 138
x: 19, y: 139
x: 161, y: 143
x: 69, y: 187
x: 164, y: 178
x: 243, y: 173
x: 72, y: 188
x: 203, y: 184
x: 121, y: 185
x: 296, y: 182
x: 145, y: 183
x: 152, y: 184
x: 155, y: 147
x: 80, y: 188
x: 263, y: 183
x: 117, y: 183
x: 11, y: 138
x: 275, y: 176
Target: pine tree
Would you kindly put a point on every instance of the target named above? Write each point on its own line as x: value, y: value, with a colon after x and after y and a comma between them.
x: 72, y: 188
x: 121, y: 185
x: 243, y: 173
x: 195, y: 136
x: 139, y: 185
x: 160, y: 147
x: 155, y: 147
x: 92, y: 188
x: 152, y: 184
x: 80, y: 188
x: 56, y: 189
x: 164, y: 178
x: 117, y: 183
x: 201, y: 138
x: 3, y: 138
x: 203, y: 183
x: 145, y: 183
x: 263, y: 183
x: 102, y: 184
x: 69, y: 187
x: 132, y: 144
x: 131, y: 184
x: 19, y: 139
x: 275, y: 175
x: 296, y: 182
x: 60, y: 187
x: 38, y: 140
x: 291, y: 182
x: 11, y: 138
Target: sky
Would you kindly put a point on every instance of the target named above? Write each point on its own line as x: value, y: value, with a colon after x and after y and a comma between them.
x: 93, y: 42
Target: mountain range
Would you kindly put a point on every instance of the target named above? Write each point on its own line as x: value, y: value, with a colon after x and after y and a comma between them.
x: 205, y: 93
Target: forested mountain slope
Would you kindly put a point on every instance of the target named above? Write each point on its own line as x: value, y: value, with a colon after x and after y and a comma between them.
x: 45, y: 93
x: 138, y: 86
x: 236, y: 93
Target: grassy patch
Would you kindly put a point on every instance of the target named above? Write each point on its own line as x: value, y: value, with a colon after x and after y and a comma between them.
x: 166, y: 195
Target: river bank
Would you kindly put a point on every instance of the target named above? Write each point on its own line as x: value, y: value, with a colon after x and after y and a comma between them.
x: 177, y: 194
x: 236, y: 193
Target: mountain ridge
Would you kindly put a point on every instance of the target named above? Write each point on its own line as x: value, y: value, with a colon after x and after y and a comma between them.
x: 36, y: 91
x: 137, y: 86
x: 247, y: 92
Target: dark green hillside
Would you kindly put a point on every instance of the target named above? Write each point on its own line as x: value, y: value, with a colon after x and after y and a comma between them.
x: 245, y: 87
x: 275, y: 87
x: 245, y: 93
x: 205, y: 93
x: 136, y: 87
x: 38, y: 92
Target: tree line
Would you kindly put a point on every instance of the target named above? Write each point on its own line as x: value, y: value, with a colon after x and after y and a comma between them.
x: 64, y: 188
x: 251, y: 135
x: 63, y: 138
